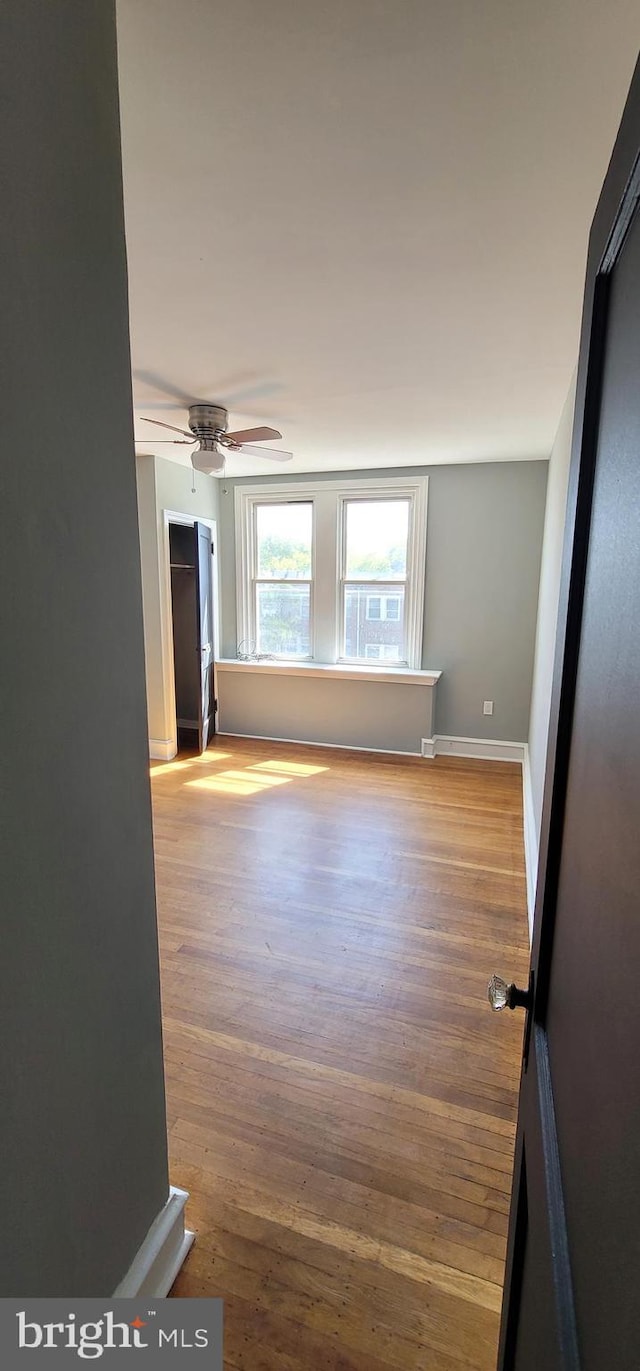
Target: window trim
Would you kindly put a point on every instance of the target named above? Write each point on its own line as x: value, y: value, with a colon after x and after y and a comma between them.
x: 328, y: 498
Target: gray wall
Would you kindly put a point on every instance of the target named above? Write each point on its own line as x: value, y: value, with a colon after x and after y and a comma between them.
x: 82, y: 1127
x: 483, y: 562
x: 484, y: 540
x: 550, y: 572
x: 163, y: 485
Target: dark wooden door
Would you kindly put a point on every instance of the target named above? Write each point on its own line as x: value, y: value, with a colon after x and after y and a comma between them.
x: 204, y: 609
x: 572, y: 1295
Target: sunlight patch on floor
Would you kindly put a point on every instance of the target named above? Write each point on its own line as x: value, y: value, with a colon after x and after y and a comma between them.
x: 254, y: 778
x: 287, y: 768
x: 209, y: 758
x: 238, y: 782
x: 169, y: 767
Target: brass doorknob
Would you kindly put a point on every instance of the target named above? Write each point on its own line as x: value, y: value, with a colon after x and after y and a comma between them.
x: 504, y: 996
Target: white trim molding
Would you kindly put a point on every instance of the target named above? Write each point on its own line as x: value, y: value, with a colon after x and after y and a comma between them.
x: 530, y: 839
x: 158, y: 1261
x: 162, y: 749
x: 338, y: 671
x: 485, y: 749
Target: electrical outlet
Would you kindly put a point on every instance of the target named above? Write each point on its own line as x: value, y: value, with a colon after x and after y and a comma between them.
x: 487, y: 707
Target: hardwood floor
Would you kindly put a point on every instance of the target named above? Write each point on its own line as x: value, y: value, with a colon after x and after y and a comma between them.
x: 341, y: 1099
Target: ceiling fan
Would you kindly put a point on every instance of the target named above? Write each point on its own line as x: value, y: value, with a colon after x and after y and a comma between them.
x: 208, y: 428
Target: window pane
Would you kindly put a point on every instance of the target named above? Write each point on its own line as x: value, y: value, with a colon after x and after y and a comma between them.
x: 381, y: 652
x: 282, y: 617
x: 376, y: 539
x: 283, y: 535
x: 374, y: 607
x: 374, y: 623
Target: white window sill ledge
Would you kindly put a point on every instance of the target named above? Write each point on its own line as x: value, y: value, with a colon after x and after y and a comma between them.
x: 336, y: 671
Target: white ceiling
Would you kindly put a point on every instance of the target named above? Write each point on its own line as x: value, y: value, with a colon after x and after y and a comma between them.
x: 365, y: 221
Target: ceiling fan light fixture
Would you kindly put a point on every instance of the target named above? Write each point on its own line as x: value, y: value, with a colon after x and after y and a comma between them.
x: 207, y: 457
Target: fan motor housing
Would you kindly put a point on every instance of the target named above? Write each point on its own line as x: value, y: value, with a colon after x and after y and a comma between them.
x: 207, y: 420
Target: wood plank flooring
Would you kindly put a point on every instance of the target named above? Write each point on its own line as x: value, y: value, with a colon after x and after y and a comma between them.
x: 341, y: 1099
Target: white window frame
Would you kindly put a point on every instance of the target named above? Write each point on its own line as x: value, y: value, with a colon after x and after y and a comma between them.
x: 329, y: 498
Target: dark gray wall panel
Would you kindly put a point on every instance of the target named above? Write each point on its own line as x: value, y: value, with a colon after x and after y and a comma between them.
x: 83, y: 1138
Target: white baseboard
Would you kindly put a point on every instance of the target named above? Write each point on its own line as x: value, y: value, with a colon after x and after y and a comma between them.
x: 158, y: 1261
x: 162, y: 749
x: 487, y: 749
x: 530, y: 839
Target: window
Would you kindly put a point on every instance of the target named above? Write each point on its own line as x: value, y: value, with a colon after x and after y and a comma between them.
x: 383, y: 607
x: 374, y: 607
x: 375, y: 542
x: 332, y: 571
x: 282, y: 582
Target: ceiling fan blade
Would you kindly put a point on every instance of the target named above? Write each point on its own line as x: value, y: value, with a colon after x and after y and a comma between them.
x: 156, y: 382
x: 251, y: 435
x: 271, y: 453
x: 159, y: 424
x: 235, y: 391
x: 174, y: 442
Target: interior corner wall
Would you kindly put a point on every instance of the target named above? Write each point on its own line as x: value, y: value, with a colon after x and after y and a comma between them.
x: 484, y: 539
x: 549, y: 591
x: 163, y: 484
x: 82, y: 1126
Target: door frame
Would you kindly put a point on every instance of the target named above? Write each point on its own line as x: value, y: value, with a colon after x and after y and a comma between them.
x: 172, y: 516
x: 614, y: 212
x: 618, y: 202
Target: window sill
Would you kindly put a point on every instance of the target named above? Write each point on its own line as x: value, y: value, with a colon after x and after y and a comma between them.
x: 337, y: 671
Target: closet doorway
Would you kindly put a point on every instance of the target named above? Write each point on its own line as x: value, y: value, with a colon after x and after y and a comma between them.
x: 191, y: 649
